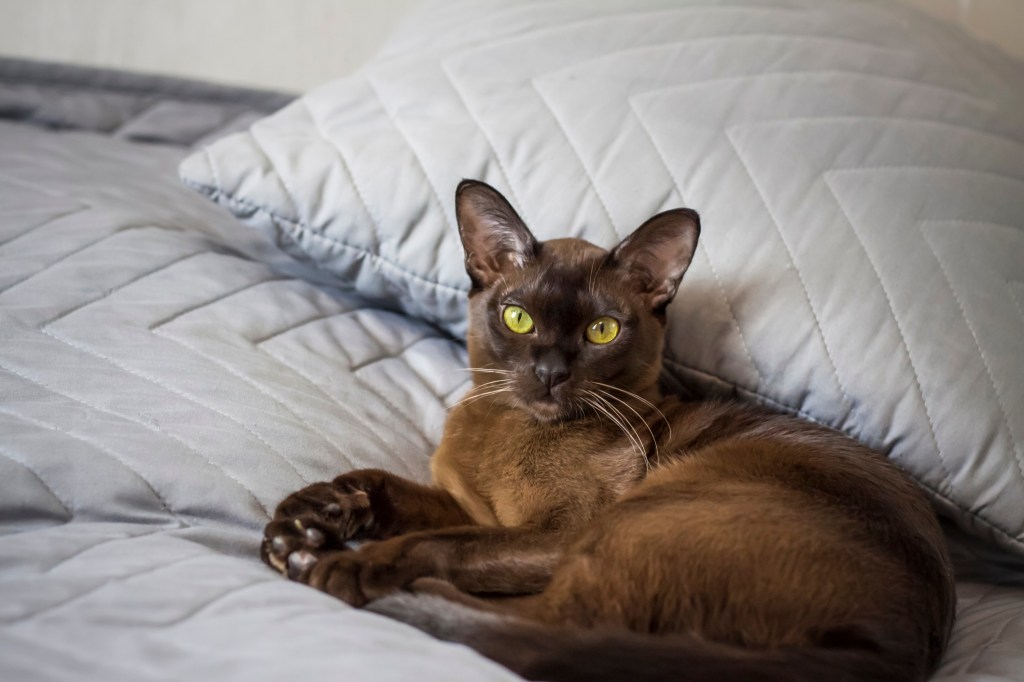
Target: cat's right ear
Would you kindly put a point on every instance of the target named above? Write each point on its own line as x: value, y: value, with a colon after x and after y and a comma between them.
x: 495, y: 238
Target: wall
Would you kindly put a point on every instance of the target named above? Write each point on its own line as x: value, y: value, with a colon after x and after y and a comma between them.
x: 287, y: 45
x: 290, y: 45
x: 999, y: 22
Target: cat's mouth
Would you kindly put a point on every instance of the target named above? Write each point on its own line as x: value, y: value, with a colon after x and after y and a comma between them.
x: 547, y: 408
x: 549, y: 404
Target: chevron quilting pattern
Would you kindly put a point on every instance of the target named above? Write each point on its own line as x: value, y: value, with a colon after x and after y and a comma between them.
x: 824, y: 142
x: 159, y: 393
x: 166, y: 377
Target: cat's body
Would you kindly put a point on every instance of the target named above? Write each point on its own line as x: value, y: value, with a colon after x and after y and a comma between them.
x: 587, y: 528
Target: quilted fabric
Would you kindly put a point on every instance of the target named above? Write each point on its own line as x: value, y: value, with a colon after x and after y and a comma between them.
x: 858, y: 169
x: 163, y: 383
x: 128, y: 106
x: 159, y: 394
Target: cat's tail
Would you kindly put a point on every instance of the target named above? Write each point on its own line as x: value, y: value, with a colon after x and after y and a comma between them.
x: 537, y: 651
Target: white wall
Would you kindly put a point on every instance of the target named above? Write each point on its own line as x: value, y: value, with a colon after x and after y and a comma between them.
x: 999, y: 22
x: 288, y: 45
x: 291, y: 44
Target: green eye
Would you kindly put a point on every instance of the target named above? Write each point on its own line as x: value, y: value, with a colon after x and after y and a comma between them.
x: 603, y: 330
x: 517, y: 319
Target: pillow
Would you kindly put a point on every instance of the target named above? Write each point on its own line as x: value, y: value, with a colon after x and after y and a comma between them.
x: 859, y: 170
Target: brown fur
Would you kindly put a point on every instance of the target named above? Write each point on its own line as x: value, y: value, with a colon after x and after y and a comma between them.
x: 689, y: 540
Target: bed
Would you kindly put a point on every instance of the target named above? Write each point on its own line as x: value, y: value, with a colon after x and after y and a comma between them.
x: 168, y: 373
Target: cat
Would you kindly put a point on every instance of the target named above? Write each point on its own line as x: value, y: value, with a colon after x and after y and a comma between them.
x: 582, y: 526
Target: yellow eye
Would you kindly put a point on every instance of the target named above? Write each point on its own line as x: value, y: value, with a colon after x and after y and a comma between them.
x: 603, y: 330
x: 517, y: 319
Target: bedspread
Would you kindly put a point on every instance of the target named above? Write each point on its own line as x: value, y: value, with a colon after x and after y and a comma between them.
x: 164, y: 382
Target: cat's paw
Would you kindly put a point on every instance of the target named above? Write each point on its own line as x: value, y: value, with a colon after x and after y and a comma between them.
x: 320, y: 517
x: 357, y: 577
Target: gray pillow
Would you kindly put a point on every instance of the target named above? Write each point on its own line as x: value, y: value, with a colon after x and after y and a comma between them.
x: 859, y: 170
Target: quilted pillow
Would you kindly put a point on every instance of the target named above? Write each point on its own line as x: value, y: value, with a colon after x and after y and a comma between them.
x: 859, y: 170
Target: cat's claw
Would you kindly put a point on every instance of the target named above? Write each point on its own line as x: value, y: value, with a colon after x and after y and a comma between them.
x: 320, y: 517
x: 299, y: 564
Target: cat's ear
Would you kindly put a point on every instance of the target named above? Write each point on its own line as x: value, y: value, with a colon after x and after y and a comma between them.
x: 493, y: 235
x: 658, y: 253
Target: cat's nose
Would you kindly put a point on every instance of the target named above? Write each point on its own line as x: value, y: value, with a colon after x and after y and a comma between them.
x: 551, y: 368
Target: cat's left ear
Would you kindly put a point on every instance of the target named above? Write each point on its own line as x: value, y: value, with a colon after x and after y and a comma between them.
x: 658, y: 253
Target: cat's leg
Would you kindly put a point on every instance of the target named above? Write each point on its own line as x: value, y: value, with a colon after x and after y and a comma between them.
x: 367, y: 504
x: 475, y: 559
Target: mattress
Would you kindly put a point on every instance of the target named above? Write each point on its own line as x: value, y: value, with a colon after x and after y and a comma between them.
x: 166, y: 377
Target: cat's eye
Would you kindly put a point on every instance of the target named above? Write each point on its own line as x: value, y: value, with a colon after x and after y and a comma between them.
x: 517, y: 319
x: 603, y: 330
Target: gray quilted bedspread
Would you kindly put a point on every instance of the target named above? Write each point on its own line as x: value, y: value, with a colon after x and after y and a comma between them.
x: 165, y: 380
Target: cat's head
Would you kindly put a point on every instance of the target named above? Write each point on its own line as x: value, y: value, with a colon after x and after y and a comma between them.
x: 552, y: 323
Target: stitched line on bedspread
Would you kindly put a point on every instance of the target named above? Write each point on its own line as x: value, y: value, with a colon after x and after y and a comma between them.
x: 401, y: 414
x: 96, y: 588
x: 75, y: 252
x: 220, y: 195
x: 289, y: 192
x: 1013, y: 295
x: 702, y: 246
x: 896, y: 120
x: 758, y: 395
x: 101, y: 543
x: 6, y: 454
x: 266, y: 392
x: 850, y: 404
x: 354, y: 369
x: 177, y: 392
x: 981, y: 521
x: 903, y: 337
x: 616, y: 233
x: 447, y: 398
x: 218, y: 599
x: 45, y: 329
x: 402, y: 351
x: 44, y: 189
x: 995, y: 639
x: 34, y: 228
x: 800, y: 75
x: 499, y: 162
x: 356, y: 185
x: 217, y: 299
x: 151, y: 427
x: 181, y: 394
x: 446, y: 69
x: 977, y: 344
x: 323, y: 391
x: 102, y: 448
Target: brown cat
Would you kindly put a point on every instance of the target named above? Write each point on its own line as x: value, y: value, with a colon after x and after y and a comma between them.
x: 582, y: 526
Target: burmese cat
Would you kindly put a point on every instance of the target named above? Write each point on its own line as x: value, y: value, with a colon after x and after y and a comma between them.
x: 582, y: 526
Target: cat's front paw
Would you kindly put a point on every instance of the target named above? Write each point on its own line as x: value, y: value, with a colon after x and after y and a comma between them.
x: 320, y: 517
x: 357, y: 577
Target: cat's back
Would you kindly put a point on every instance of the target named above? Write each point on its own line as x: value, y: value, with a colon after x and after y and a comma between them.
x: 801, y: 504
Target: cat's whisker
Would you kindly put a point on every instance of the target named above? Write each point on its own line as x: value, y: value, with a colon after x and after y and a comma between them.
x: 645, y: 401
x: 494, y: 391
x: 654, y: 438
x: 491, y: 383
x: 604, y: 411
x: 476, y: 398
x: 495, y: 386
x: 641, y: 451
x: 482, y: 389
x: 603, y: 406
x: 490, y: 370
